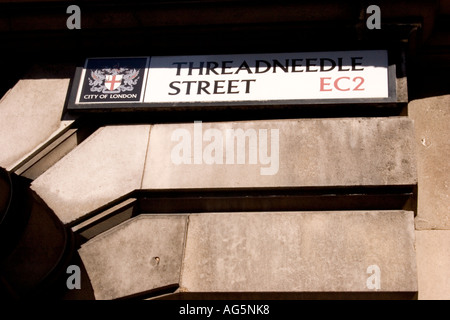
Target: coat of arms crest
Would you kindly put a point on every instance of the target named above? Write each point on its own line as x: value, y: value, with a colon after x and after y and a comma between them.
x: 113, y: 80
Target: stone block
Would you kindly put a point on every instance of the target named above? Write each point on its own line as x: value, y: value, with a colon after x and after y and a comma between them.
x: 299, y: 153
x: 30, y: 112
x: 298, y: 252
x: 106, y: 166
x: 140, y: 255
x: 432, y: 140
x: 433, y: 264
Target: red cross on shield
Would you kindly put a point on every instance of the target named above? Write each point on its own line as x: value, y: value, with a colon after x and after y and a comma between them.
x: 112, y: 82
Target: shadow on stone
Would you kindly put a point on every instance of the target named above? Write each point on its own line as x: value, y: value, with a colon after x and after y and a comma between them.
x: 40, y: 247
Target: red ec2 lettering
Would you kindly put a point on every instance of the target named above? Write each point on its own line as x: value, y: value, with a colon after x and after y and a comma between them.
x: 342, y: 84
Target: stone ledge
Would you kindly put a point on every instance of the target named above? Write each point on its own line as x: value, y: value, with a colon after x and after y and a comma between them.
x: 335, y: 254
x: 299, y: 252
x: 311, y: 153
x: 140, y: 255
x: 30, y: 115
x: 102, y: 168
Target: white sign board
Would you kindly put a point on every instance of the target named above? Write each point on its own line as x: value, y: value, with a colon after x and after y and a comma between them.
x: 287, y: 76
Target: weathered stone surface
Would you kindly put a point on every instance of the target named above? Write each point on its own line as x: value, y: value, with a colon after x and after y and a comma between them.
x: 433, y: 264
x: 139, y: 255
x: 432, y: 139
x: 30, y: 113
x: 299, y: 252
x: 106, y: 166
x: 312, y: 153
